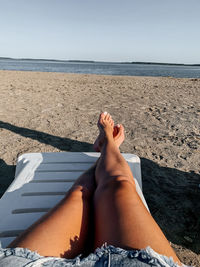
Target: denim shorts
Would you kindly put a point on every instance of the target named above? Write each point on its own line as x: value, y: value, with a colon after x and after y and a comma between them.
x: 104, y: 256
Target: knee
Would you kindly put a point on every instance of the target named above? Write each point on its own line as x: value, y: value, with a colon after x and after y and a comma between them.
x: 119, y: 184
x: 78, y: 191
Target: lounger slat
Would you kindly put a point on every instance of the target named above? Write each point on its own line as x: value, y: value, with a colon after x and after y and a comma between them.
x: 41, y: 201
x: 60, y: 167
x: 59, y: 157
x: 21, y: 221
x: 46, y: 187
x: 56, y: 176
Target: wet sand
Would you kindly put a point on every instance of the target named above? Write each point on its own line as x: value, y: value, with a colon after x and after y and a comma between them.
x: 47, y: 112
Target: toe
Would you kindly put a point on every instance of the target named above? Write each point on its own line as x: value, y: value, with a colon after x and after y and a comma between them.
x: 102, y: 117
x: 107, y: 117
x: 111, y: 122
x: 115, y: 130
x: 121, y: 129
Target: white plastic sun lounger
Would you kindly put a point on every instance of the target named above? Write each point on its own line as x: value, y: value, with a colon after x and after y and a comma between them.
x: 41, y: 181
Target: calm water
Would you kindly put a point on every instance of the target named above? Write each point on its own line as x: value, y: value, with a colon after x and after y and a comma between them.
x: 101, y: 68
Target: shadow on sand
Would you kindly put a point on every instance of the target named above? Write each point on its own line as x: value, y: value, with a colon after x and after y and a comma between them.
x: 7, y: 172
x: 172, y: 195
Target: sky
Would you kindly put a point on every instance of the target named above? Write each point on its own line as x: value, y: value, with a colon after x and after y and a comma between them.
x: 101, y: 30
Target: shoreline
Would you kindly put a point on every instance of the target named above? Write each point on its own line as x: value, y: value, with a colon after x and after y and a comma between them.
x: 51, y: 111
x: 103, y: 75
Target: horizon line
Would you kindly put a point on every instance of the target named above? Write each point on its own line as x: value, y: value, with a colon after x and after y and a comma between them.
x: 101, y: 61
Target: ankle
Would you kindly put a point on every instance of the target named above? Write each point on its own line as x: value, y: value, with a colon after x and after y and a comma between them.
x: 108, y: 139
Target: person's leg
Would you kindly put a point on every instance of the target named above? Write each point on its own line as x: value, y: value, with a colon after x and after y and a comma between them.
x: 63, y: 231
x: 121, y: 219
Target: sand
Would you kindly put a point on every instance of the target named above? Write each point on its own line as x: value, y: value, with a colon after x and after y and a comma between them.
x: 46, y: 112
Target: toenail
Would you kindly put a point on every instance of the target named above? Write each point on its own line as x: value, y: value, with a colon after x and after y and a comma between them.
x: 105, y: 112
x: 118, y: 125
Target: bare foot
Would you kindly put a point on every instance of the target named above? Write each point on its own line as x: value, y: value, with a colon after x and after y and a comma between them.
x: 106, y: 125
x: 100, y: 139
x: 118, y: 136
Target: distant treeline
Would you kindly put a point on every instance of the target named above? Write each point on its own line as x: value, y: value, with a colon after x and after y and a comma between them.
x: 91, y: 61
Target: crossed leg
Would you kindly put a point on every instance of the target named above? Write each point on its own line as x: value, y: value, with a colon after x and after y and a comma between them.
x: 63, y: 231
x: 121, y: 219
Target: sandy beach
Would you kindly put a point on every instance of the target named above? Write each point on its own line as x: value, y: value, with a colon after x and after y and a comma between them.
x: 49, y: 112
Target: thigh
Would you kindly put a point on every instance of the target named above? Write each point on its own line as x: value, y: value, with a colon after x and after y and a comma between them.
x: 62, y: 231
x: 121, y: 219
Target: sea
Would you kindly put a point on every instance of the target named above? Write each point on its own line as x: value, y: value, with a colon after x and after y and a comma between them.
x: 102, y: 68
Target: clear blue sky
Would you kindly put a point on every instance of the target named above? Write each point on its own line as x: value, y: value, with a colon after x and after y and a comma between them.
x: 104, y: 30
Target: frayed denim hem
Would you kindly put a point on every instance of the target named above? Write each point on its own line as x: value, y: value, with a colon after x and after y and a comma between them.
x: 19, y: 252
x: 147, y: 255
x: 107, y: 255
